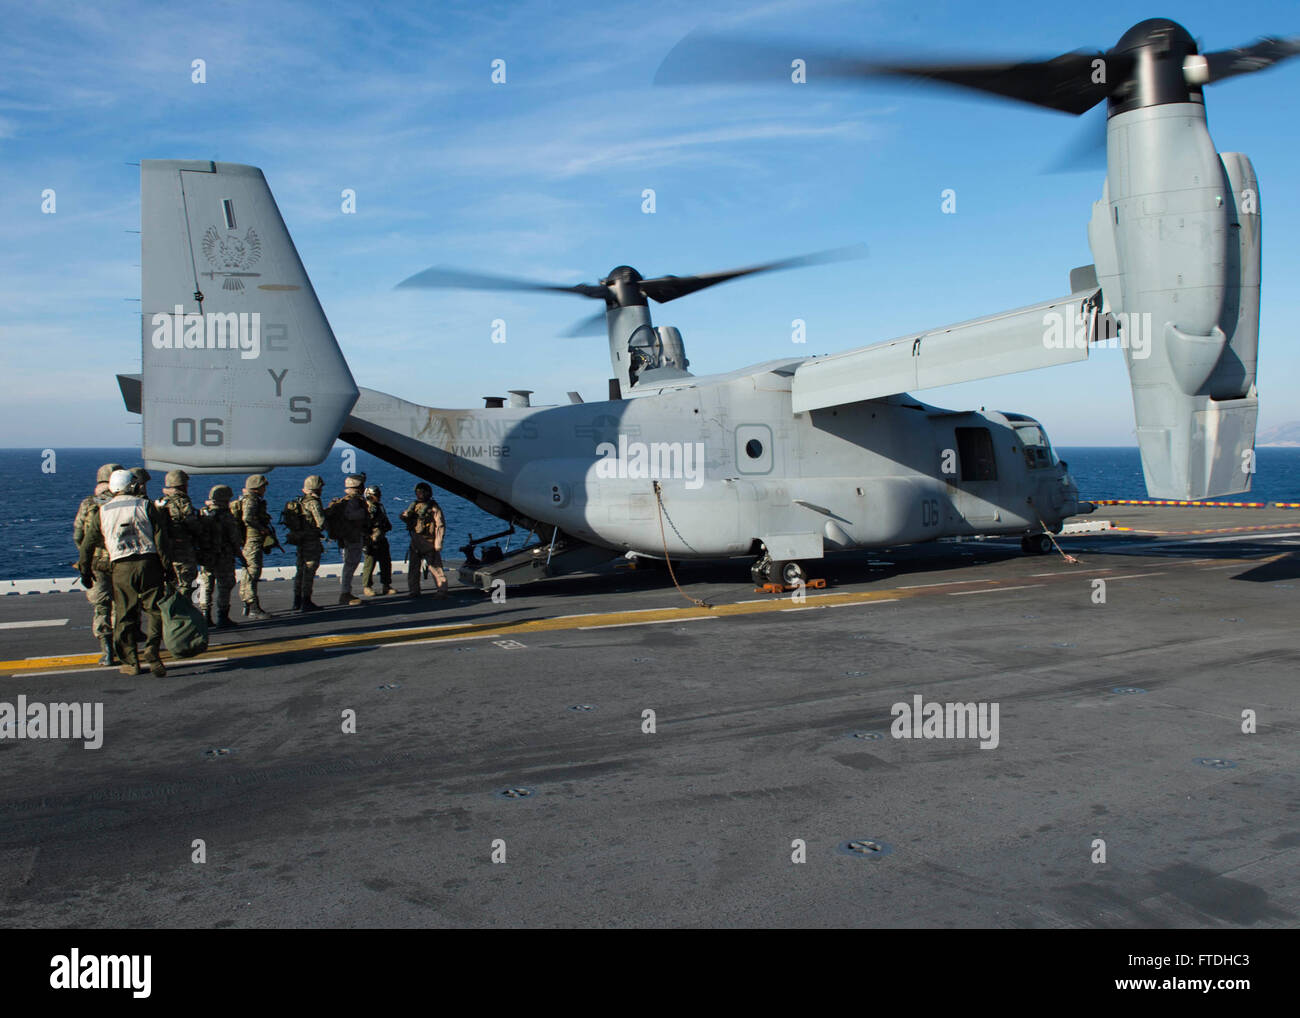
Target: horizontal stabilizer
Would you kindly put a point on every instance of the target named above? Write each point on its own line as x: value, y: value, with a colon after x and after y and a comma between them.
x: 239, y: 362
x: 1039, y: 336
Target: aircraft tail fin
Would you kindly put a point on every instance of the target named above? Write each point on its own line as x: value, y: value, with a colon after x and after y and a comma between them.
x: 240, y: 366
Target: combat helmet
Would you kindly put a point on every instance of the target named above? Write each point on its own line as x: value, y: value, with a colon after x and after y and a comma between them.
x: 106, y: 471
x: 220, y: 493
x: 254, y: 482
x: 313, y: 483
x: 176, y: 479
x: 422, y: 487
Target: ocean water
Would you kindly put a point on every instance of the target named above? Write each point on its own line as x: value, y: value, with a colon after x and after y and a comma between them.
x: 37, y: 513
x: 37, y: 509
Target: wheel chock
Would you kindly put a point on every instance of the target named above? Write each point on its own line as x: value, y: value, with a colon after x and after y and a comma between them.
x: 779, y: 588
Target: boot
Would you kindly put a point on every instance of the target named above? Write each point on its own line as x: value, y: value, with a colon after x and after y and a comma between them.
x: 389, y: 590
x: 368, y: 591
x: 224, y: 621
x: 255, y: 608
x: 247, y: 604
x: 346, y: 598
x: 310, y: 606
x: 129, y: 668
x: 207, y: 614
x: 106, y: 645
x: 155, y: 664
x: 297, y: 601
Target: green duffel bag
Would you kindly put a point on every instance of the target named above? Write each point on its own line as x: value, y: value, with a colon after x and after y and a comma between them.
x: 185, y: 630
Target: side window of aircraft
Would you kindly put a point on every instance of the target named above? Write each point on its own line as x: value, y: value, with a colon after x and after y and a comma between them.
x: 975, y: 448
x: 1038, y: 452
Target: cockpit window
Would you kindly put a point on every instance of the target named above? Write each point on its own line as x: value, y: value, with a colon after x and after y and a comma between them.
x: 1038, y: 451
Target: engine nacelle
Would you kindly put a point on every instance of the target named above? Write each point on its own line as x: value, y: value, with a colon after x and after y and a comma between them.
x: 1176, y: 239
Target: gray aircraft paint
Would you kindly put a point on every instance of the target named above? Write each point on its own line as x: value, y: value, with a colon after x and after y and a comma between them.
x: 213, y: 244
x: 800, y: 456
x: 1174, y: 236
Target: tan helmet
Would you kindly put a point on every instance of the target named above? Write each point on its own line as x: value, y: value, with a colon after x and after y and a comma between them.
x: 314, y: 483
x: 106, y: 471
x: 220, y: 493
x: 354, y: 481
x: 254, y: 482
x: 176, y: 479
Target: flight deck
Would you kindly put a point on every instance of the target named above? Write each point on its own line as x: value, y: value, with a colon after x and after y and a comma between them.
x: 598, y: 750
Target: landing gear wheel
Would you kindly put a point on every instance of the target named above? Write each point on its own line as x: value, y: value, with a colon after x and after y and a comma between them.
x: 1036, y: 544
x: 761, y: 570
x: 791, y: 573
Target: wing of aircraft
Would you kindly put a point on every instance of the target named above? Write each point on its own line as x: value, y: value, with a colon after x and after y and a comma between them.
x: 1038, y: 336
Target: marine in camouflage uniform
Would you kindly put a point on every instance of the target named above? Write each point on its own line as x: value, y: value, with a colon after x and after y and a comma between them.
x: 133, y: 532
x: 100, y: 594
x: 376, y: 544
x: 423, y: 518
x: 222, y: 547
x: 185, y: 530
x: 307, y: 533
x: 352, y: 533
x: 258, y: 533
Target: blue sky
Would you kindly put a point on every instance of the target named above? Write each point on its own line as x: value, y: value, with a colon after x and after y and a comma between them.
x: 543, y: 176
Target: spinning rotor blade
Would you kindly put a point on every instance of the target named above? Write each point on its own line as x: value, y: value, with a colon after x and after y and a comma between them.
x: 666, y: 288
x: 593, y: 326
x: 1261, y: 56
x: 454, y: 279
x: 1073, y: 82
x: 1062, y: 83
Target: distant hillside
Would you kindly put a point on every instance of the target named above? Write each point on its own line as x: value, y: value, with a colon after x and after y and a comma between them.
x: 1280, y: 434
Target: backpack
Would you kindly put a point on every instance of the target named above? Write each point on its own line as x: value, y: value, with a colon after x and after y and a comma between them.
x: 334, y: 520
x: 294, y: 520
x: 426, y: 524
x: 237, y: 511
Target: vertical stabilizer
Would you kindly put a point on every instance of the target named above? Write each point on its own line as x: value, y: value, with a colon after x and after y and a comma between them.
x: 240, y: 366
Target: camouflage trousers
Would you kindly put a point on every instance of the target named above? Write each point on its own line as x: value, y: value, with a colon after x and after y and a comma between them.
x: 252, y: 566
x: 100, y: 597
x: 137, y: 588
x: 422, y: 552
x: 304, y: 579
x: 378, y: 552
x: 222, y: 578
x: 351, y: 559
x: 187, y: 576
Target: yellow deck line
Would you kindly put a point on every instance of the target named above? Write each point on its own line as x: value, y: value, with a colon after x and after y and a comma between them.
x: 442, y: 631
x: 435, y: 633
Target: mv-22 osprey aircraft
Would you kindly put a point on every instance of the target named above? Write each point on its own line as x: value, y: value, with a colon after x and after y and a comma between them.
x: 784, y: 461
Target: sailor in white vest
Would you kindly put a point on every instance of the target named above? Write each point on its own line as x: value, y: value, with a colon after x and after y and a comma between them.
x: 133, y: 531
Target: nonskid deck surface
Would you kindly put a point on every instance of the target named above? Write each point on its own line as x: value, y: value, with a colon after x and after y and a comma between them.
x: 1118, y: 722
